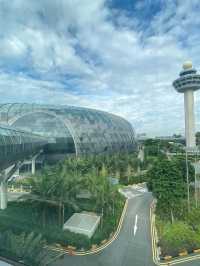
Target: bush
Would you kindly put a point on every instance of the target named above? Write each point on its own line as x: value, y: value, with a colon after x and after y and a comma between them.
x: 23, y: 247
x: 55, y: 234
x: 193, y: 218
x: 133, y: 179
x: 59, y: 185
x: 178, y: 237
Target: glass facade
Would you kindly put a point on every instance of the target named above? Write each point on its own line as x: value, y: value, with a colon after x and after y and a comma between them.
x: 78, y: 130
x: 186, y: 81
x: 17, y: 144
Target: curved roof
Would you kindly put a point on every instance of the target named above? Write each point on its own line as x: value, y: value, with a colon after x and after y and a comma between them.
x: 91, y: 131
x: 16, y: 145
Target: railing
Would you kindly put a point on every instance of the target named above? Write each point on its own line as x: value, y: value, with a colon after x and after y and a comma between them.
x: 19, y: 188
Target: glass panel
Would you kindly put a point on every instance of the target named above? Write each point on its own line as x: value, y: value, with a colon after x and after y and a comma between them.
x: 90, y: 130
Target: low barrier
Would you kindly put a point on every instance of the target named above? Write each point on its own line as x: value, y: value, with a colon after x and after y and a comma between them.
x: 167, y: 260
x: 94, y: 249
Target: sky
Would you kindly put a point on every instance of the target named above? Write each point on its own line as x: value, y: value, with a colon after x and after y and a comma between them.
x: 119, y: 56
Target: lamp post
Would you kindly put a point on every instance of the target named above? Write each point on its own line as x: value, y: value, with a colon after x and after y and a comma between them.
x: 187, y: 177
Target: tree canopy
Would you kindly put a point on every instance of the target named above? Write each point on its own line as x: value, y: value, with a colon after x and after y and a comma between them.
x: 167, y: 181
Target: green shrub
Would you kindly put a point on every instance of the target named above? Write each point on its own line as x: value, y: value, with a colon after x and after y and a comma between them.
x: 178, y: 237
x: 133, y: 179
x: 23, y: 247
x: 193, y: 218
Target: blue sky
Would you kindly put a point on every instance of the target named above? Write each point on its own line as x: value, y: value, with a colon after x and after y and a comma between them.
x: 120, y: 56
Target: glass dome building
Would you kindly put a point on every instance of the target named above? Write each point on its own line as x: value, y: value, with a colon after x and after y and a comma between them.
x: 72, y: 130
x: 17, y: 145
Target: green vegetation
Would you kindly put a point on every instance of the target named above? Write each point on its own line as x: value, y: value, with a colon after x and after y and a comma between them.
x: 177, y: 237
x: 198, y: 138
x: 158, y: 148
x: 55, y: 196
x: 178, y: 228
x: 167, y: 181
x: 26, y: 248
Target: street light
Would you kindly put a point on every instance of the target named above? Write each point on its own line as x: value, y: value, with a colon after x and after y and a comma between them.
x: 193, y: 151
x: 187, y: 176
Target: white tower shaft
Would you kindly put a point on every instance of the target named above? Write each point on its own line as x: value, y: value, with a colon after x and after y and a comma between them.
x: 189, y: 119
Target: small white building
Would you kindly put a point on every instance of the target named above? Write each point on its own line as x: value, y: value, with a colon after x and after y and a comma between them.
x: 82, y: 223
x: 3, y: 263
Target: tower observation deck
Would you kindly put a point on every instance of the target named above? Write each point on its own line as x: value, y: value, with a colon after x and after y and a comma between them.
x: 187, y: 83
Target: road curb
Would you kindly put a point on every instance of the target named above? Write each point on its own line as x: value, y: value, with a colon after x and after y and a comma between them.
x: 100, y: 248
x: 153, y: 234
x: 154, y: 239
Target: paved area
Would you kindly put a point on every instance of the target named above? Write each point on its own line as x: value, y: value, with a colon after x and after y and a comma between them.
x: 191, y: 263
x: 13, y: 196
x: 133, y: 191
x: 2, y: 263
x: 133, y: 245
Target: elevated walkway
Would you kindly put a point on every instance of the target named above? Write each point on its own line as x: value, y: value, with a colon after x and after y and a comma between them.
x: 15, y: 147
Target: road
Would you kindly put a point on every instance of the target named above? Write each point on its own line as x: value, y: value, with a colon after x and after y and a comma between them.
x: 133, y: 244
x: 128, y: 249
x: 191, y: 263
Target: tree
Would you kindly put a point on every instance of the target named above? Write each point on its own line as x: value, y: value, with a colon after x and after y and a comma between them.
x: 168, y: 186
x: 59, y: 185
x: 181, y: 166
x: 56, y: 186
x: 177, y: 238
x: 198, y: 138
x: 24, y: 247
x: 193, y: 218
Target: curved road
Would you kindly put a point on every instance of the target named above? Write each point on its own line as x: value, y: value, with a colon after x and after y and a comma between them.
x: 128, y: 249
x: 133, y: 244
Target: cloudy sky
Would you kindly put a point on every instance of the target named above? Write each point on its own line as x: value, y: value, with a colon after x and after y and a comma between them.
x: 116, y: 55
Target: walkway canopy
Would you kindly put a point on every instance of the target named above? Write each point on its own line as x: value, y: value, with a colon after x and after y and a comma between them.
x: 16, y: 145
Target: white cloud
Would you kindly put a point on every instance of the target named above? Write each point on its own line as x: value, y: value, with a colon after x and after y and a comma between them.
x: 72, y: 52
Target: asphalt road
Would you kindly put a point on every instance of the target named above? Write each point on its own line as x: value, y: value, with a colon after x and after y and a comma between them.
x: 191, y: 263
x: 132, y: 247
x: 133, y: 244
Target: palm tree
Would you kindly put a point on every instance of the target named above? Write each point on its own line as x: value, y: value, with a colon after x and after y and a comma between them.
x: 56, y: 186
x: 24, y: 247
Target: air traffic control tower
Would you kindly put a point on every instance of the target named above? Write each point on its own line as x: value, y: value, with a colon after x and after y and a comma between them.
x: 187, y: 83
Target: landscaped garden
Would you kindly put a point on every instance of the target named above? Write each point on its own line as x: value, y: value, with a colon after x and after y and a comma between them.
x: 26, y: 248
x: 177, y: 220
x: 55, y: 196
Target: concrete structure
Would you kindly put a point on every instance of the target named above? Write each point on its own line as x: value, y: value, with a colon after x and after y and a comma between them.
x: 3, y: 263
x: 187, y: 83
x: 82, y: 223
x: 127, y: 249
x: 4, y: 196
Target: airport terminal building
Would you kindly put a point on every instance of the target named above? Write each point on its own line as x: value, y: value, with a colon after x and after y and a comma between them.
x: 69, y: 129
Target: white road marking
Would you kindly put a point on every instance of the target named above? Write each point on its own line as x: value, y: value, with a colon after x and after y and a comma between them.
x: 135, y: 226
